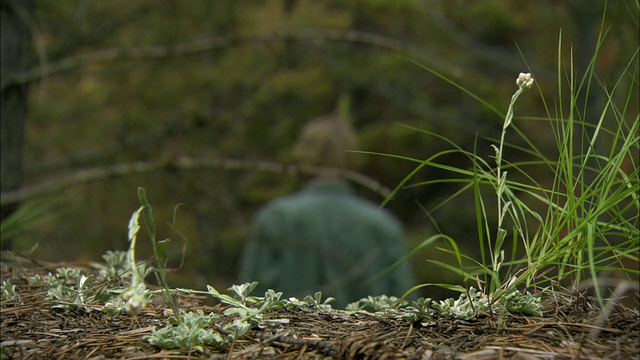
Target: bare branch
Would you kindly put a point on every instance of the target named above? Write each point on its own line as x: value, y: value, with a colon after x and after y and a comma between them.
x: 311, y: 35
x: 74, y: 38
x: 181, y: 163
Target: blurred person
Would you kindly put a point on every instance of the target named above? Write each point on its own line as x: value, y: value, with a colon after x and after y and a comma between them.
x: 324, y: 237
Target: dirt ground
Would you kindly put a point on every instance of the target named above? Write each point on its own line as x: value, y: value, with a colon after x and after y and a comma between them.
x: 570, y: 329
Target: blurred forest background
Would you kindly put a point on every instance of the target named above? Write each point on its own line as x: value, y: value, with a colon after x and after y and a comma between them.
x: 122, y: 92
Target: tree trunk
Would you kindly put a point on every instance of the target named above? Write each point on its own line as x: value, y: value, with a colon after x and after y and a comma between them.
x: 16, y: 55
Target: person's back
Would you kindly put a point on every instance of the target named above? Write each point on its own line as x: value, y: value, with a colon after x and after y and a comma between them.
x: 325, y: 238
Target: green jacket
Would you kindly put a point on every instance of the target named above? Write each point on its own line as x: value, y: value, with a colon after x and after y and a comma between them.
x: 325, y: 238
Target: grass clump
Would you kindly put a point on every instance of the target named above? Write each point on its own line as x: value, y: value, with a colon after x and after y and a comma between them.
x: 581, y: 227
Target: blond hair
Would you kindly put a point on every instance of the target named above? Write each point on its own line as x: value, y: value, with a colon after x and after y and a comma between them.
x: 325, y: 142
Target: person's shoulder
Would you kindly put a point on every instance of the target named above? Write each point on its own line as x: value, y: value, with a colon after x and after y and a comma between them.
x: 374, y: 212
x: 280, y: 205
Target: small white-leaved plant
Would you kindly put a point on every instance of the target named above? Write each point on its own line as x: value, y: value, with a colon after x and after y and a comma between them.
x: 417, y: 311
x: 471, y: 305
x: 375, y: 303
x: 244, y: 312
x: 114, y: 266
x: 195, y: 331
x: 8, y: 290
x: 198, y: 329
x: 250, y: 309
x: 314, y: 302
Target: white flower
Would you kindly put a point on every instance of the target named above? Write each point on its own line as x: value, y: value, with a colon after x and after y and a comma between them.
x: 136, y: 303
x: 524, y: 81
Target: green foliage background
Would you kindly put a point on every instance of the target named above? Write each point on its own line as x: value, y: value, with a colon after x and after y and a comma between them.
x: 269, y: 67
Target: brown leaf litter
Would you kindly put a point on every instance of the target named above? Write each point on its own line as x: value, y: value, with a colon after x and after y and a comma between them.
x: 32, y: 329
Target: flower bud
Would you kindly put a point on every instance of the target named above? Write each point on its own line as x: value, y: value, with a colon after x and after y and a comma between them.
x: 524, y: 81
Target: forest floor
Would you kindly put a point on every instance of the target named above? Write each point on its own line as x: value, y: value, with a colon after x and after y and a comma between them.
x: 32, y: 328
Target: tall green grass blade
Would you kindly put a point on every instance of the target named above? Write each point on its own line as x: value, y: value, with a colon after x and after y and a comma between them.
x: 413, y: 252
x: 461, y: 88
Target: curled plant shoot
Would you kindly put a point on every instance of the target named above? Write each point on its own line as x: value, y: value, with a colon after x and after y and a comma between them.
x: 136, y: 296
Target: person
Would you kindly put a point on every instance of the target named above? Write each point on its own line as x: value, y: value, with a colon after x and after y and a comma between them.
x: 324, y: 237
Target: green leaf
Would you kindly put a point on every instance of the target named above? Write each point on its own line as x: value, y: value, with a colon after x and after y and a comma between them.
x: 243, y: 290
x: 452, y: 268
x: 226, y: 299
x: 502, y: 182
x: 134, y: 225
x: 502, y: 234
x: 161, y: 253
